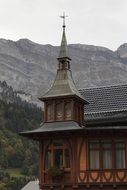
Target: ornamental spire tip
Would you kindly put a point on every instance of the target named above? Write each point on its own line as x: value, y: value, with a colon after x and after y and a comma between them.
x: 63, y: 48
x: 64, y: 17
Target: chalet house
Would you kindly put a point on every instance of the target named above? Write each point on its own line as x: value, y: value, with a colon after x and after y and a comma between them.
x: 83, y: 138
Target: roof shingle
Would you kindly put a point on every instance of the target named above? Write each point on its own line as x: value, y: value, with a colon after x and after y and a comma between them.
x: 105, y: 99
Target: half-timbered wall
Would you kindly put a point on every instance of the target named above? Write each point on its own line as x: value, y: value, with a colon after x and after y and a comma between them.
x: 109, y: 159
x: 78, y: 171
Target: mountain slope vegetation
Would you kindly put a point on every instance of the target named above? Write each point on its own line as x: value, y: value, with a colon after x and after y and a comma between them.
x: 17, y: 152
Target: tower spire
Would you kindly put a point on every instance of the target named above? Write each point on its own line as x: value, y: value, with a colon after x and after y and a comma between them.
x: 64, y: 60
x: 63, y: 48
x: 63, y: 84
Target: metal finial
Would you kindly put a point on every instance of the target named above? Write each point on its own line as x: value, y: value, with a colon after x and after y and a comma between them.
x: 63, y: 17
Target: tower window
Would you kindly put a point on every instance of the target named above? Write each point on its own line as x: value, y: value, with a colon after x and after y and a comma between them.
x: 59, y: 111
x: 50, y: 112
x: 67, y: 111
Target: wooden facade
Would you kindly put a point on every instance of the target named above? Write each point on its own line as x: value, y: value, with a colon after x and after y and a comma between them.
x: 79, y: 174
x: 64, y: 109
x: 84, y: 153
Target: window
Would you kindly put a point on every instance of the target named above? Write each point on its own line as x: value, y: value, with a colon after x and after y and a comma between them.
x: 57, y: 154
x: 103, y: 153
x: 50, y: 112
x: 77, y: 112
x: 106, y: 155
x: 58, y: 157
x: 94, y: 155
x: 120, y: 154
x: 68, y: 111
x: 48, y: 159
x: 59, y: 111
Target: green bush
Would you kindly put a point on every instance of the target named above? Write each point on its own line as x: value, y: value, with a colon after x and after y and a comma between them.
x: 54, y: 171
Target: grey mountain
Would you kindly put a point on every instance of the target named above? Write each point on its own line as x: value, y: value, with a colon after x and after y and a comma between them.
x: 31, y: 67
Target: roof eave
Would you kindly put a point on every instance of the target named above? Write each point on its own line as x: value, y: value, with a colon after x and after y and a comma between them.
x: 63, y: 96
x: 63, y: 58
x: 39, y: 135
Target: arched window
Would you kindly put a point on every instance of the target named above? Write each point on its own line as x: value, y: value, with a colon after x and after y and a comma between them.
x: 68, y: 111
x: 57, y: 154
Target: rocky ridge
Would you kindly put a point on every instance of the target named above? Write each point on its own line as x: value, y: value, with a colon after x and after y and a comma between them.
x: 31, y: 67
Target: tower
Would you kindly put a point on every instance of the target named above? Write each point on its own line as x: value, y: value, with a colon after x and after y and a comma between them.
x: 63, y: 118
x: 63, y: 102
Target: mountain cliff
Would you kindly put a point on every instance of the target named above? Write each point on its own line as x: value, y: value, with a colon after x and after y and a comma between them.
x: 31, y: 67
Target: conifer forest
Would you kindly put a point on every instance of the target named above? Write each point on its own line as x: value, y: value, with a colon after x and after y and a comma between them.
x: 18, y: 155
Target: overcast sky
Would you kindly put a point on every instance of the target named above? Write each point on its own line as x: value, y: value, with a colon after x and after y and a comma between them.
x: 95, y: 22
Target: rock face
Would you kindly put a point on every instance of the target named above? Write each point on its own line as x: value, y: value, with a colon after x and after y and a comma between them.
x: 31, y: 67
x: 122, y: 51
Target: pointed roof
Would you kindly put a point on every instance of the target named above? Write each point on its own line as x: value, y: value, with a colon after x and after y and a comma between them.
x: 63, y: 84
x: 63, y: 48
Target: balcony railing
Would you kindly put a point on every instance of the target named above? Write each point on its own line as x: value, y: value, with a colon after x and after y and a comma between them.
x: 104, y: 176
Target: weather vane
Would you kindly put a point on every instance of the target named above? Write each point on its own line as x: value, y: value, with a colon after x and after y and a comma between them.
x: 63, y: 17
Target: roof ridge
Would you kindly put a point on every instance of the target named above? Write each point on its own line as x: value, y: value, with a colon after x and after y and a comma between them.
x: 102, y: 87
x: 101, y: 112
